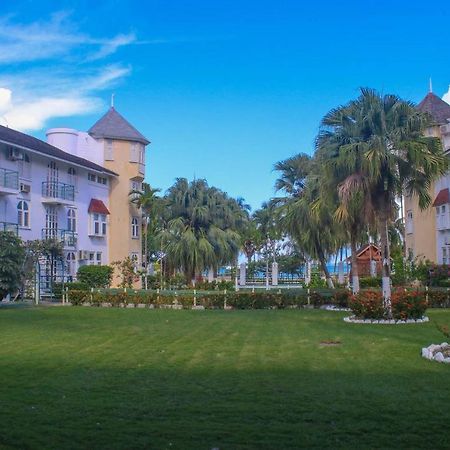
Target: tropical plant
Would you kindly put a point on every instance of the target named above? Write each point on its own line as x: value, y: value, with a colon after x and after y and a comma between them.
x: 386, y: 153
x: 303, y: 214
x: 12, y: 256
x: 203, y: 228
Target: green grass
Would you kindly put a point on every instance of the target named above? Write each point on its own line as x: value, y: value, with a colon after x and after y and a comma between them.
x: 129, y: 379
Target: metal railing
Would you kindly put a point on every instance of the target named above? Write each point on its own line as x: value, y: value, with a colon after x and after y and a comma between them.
x: 9, y: 178
x: 55, y: 189
x: 67, y: 237
x: 9, y: 226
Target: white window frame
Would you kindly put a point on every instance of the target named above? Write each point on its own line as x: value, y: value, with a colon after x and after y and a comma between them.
x: 134, y: 228
x: 72, y: 220
x: 99, y: 220
x: 23, y: 214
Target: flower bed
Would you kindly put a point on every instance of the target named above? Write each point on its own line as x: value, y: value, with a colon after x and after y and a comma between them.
x: 407, y: 307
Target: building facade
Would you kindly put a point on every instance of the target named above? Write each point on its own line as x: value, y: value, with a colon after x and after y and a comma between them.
x: 75, y: 188
x: 427, y: 232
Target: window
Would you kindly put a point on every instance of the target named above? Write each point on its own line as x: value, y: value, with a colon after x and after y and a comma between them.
x: 438, y: 211
x: 444, y: 255
x: 98, y: 224
x: 71, y: 220
x: 23, y: 214
x: 71, y: 265
x: 409, y: 222
x: 109, y: 152
x: 99, y: 258
x: 136, y: 186
x: 92, y: 177
x: 134, y: 156
x: 141, y: 154
x: 443, y: 209
x: 134, y: 228
x: 25, y: 167
x: 72, y: 176
x: 102, y: 180
x: 91, y: 258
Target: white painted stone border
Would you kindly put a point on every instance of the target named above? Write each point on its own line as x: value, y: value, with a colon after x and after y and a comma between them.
x: 434, y: 352
x: 353, y: 319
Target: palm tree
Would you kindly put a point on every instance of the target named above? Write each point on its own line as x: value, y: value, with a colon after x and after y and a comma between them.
x: 391, y: 155
x: 151, y: 206
x: 204, y: 227
x: 303, y: 214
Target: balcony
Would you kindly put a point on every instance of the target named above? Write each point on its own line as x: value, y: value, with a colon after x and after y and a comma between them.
x: 9, y: 182
x: 8, y: 226
x: 68, y: 238
x: 55, y: 193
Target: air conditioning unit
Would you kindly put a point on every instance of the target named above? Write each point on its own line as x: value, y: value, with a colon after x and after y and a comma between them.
x: 15, y: 154
x: 83, y: 254
x: 25, y: 188
x: 447, y: 240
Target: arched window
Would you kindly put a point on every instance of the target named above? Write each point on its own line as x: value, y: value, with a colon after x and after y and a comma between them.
x: 23, y: 214
x: 134, y: 227
x: 71, y: 220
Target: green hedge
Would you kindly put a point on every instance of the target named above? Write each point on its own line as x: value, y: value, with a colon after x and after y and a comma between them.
x: 235, y: 300
x: 95, y: 276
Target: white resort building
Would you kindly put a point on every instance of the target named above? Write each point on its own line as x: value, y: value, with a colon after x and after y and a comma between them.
x: 75, y: 188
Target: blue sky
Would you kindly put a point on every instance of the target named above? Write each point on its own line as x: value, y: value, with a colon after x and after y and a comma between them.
x: 222, y: 89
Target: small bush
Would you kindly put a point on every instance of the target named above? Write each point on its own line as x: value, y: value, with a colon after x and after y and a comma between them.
x: 369, y: 282
x: 408, y: 304
x: 95, y: 276
x: 78, y: 297
x: 367, y: 305
x: 438, y: 298
x: 341, y: 298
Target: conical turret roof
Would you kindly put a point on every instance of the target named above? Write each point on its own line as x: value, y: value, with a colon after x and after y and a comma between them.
x: 436, y: 107
x: 113, y: 126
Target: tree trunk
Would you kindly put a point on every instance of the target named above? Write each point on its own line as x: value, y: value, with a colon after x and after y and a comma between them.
x: 323, y: 263
x: 386, y: 260
x: 355, y: 272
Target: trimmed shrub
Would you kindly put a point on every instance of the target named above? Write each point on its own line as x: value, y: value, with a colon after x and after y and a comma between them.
x: 95, y: 276
x: 71, y: 286
x: 367, y: 305
x: 438, y: 298
x: 78, y: 297
x: 369, y: 282
x: 408, y: 304
x: 341, y: 298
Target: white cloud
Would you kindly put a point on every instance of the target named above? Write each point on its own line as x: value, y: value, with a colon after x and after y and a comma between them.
x: 51, y: 69
x: 446, y: 96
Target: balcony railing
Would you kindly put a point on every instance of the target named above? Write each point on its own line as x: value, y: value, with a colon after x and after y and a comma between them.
x: 58, y: 191
x: 8, y: 226
x: 9, y: 179
x: 67, y: 237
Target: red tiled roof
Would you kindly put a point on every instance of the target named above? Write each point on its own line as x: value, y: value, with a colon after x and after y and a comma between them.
x: 438, y: 109
x: 98, y: 207
x: 442, y: 198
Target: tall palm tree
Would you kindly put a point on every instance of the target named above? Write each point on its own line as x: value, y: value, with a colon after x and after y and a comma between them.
x: 151, y: 206
x: 393, y: 157
x: 303, y: 213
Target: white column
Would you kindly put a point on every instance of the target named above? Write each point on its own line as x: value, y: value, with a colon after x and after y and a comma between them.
x: 242, y: 274
x: 341, y: 277
x: 274, y: 274
x: 308, y: 272
x: 373, y: 268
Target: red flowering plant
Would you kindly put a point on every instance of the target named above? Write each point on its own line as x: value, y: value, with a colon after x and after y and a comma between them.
x: 367, y: 305
x: 408, y: 304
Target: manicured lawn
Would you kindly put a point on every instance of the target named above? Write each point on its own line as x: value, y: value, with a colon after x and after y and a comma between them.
x: 114, y: 378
